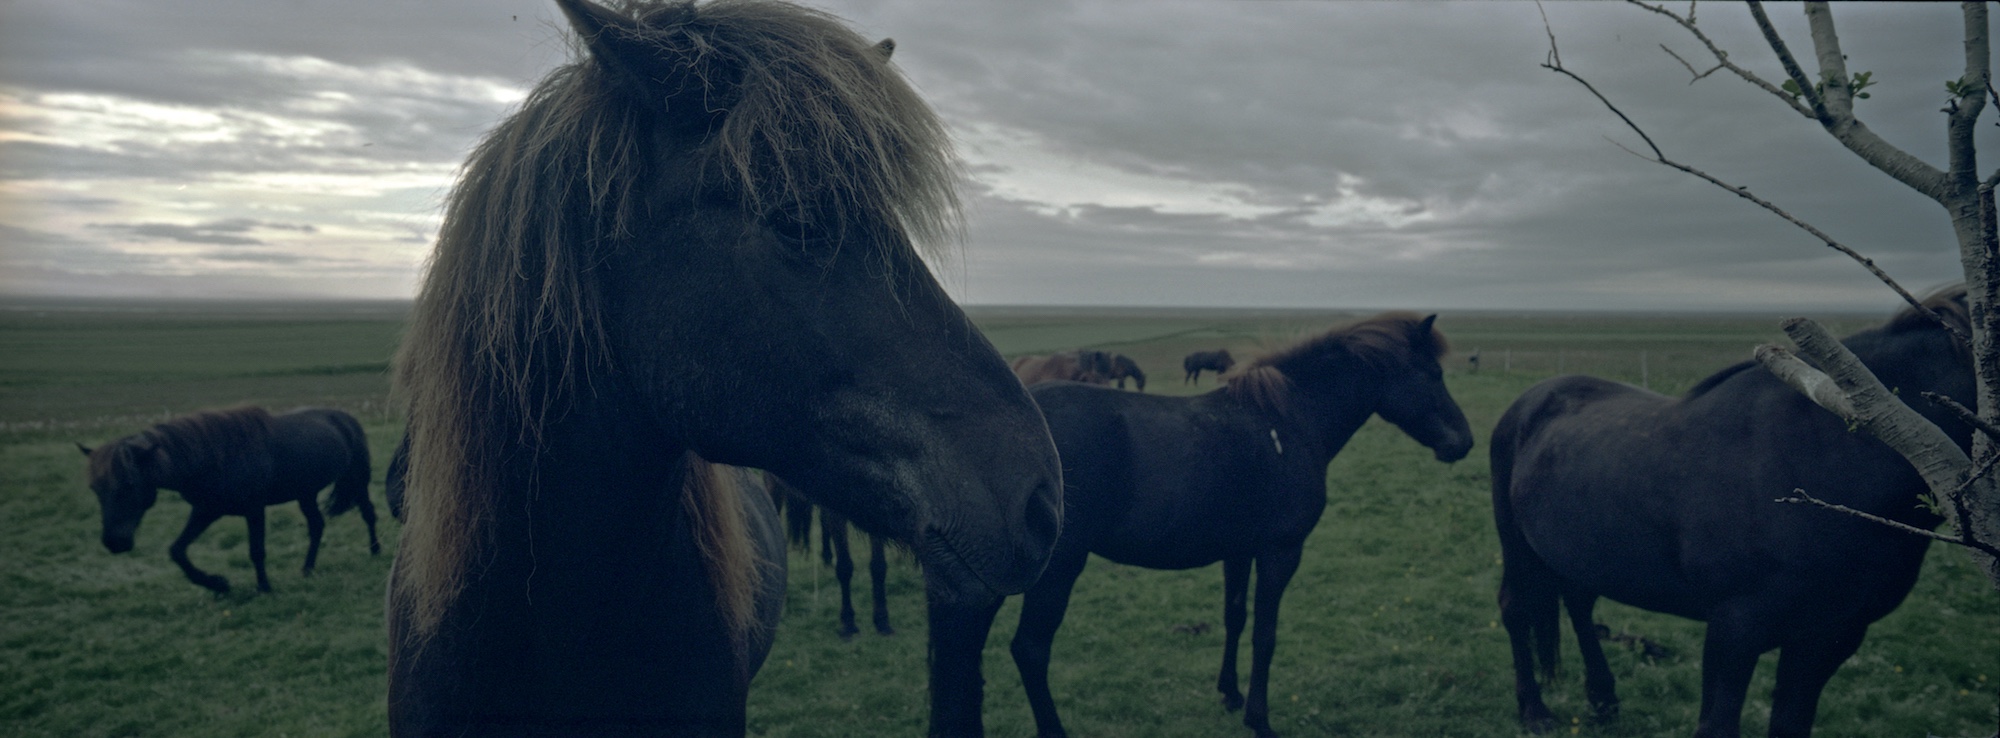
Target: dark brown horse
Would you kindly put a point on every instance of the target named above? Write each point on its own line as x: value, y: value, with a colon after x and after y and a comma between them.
x: 1603, y: 489
x: 1237, y: 475
x: 1123, y: 367
x: 1218, y: 361
x: 234, y: 462
x: 696, y: 243
x: 1093, y: 367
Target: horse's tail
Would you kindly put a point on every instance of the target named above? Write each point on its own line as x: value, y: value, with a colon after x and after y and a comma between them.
x: 1530, y: 591
x: 351, y: 489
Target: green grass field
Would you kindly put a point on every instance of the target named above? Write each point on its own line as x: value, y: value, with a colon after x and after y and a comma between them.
x: 1388, y: 629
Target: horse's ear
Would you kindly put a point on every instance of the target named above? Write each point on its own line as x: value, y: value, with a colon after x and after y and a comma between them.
x: 83, y: 448
x: 631, y: 50
x: 1428, y: 322
x: 886, y: 47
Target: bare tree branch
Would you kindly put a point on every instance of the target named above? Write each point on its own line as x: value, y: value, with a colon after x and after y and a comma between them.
x: 1791, y: 65
x: 1800, y: 497
x: 1722, y: 58
x: 1812, y: 383
x: 1872, y: 408
x: 1965, y: 414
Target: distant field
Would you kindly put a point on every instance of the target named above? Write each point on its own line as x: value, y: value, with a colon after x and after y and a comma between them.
x: 1388, y: 630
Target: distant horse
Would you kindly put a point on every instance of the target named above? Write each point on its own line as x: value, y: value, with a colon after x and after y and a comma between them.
x: 1603, y: 489
x: 234, y: 462
x: 1123, y: 366
x: 1237, y: 475
x: 798, y: 513
x: 1217, y: 361
x: 1093, y: 367
x: 696, y: 243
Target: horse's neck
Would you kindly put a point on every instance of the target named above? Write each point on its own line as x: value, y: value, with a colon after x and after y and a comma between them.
x: 599, y: 551
x: 1330, y: 410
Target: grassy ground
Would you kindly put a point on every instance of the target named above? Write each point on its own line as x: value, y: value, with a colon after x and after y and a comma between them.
x: 1388, y: 628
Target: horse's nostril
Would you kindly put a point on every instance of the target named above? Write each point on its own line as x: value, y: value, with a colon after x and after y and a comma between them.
x: 1041, y: 518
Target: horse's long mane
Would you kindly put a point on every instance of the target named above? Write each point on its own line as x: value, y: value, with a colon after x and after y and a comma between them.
x: 196, y: 443
x: 1374, y: 343
x: 508, y: 323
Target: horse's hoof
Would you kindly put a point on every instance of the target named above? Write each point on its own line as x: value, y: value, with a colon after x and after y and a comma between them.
x: 1604, y: 712
x: 306, y: 572
x: 846, y: 632
x: 374, y: 548
x: 1232, y: 701
x: 264, y: 587
x: 884, y: 630
x: 217, y: 584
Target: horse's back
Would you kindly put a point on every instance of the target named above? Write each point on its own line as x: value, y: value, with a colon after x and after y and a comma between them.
x: 1154, y: 481
x: 313, y: 447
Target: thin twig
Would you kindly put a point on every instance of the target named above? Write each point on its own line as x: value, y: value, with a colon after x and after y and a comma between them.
x: 1690, y: 67
x: 1800, y: 497
x: 1963, y: 413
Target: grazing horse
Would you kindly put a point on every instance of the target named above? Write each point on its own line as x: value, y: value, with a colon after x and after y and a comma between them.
x: 234, y: 462
x: 1089, y: 366
x: 1218, y: 361
x: 798, y: 512
x: 1603, y: 489
x: 1237, y: 475
x: 696, y: 243
x: 1123, y: 366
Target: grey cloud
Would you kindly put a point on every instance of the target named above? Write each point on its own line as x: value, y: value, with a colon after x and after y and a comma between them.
x: 225, y: 232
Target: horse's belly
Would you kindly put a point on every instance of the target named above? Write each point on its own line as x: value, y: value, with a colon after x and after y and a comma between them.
x: 1164, y: 551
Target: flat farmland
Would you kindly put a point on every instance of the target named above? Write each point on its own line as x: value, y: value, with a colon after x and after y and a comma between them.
x: 1389, y: 629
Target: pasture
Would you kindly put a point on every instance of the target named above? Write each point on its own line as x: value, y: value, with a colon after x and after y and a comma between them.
x: 1388, y: 629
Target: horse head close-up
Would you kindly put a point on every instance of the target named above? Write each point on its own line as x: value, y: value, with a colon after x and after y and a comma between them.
x: 700, y: 241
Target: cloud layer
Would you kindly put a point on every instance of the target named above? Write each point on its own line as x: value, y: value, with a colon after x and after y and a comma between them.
x: 1156, y: 153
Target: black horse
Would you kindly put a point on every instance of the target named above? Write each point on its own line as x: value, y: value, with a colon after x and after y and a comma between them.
x: 234, y: 462
x: 1217, y: 361
x: 1123, y: 366
x: 1237, y: 475
x: 798, y: 513
x: 697, y: 243
x: 1607, y: 490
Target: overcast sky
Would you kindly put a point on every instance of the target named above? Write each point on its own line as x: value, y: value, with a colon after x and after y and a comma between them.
x: 1280, y: 154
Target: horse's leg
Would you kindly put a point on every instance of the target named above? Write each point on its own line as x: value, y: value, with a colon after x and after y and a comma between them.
x: 1274, y: 571
x: 255, y: 519
x: 1042, y: 610
x: 1728, y: 657
x: 957, y: 646
x: 843, y: 570
x: 368, y: 516
x: 878, y: 575
x: 198, y: 520
x: 1804, y: 666
x: 1597, y: 679
x: 826, y: 525
x: 315, y: 528
x: 1530, y: 609
x: 1235, y: 593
